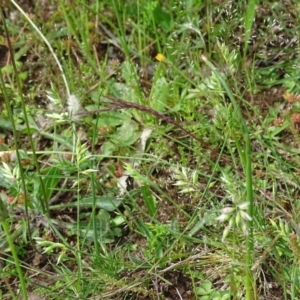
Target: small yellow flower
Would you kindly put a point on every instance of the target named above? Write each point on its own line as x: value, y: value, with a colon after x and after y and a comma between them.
x: 160, y: 57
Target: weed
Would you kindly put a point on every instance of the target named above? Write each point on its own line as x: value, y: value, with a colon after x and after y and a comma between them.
x: 149, y: 150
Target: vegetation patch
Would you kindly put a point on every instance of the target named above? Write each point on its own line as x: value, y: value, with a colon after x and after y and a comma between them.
x: 149, y: 150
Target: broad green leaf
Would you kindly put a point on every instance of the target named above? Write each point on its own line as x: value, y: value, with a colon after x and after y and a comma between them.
x: 162, y: 18
x: 127, y: 134
x: 159, y: 95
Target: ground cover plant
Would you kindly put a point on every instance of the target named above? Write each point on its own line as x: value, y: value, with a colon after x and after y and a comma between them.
x: 149, y: 150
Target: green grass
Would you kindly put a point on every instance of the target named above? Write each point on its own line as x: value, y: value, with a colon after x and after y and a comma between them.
x: 208, y: 136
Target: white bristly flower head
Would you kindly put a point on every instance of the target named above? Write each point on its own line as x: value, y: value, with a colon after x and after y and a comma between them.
x: 74, y: 107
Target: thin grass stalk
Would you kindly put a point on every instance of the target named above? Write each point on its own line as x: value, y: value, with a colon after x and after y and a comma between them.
x: 122, y: 34
x: 93, y: 183
x: 248, y: 174
x: 203, y: 195
x: 47, y: 43
x: 44, y: 202
x: 294, y: 277
x: 93, y: 186
x: 249, y: 20
x: 14, y: 130
x: 140, y: 25
x: 15, y: 256
x: 79, y: 33
x: 124, y: 44
x: 77, y: 151
x: 93, y: 215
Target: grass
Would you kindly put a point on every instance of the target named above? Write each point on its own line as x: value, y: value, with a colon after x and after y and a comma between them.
x: 150, y: 150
